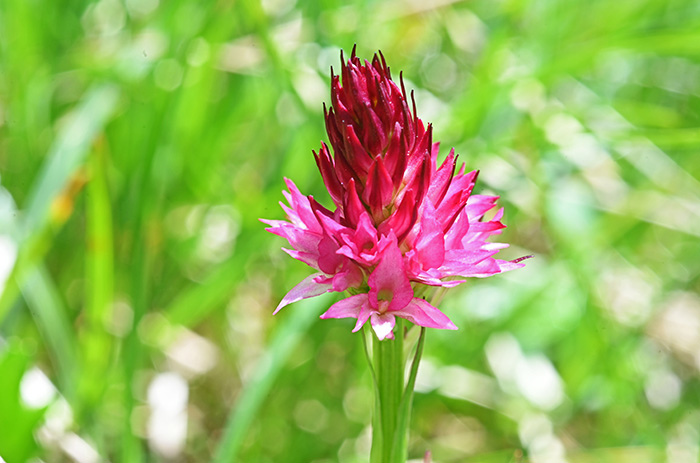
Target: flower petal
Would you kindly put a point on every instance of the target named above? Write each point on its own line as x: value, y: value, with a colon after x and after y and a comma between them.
x: 349, y: 276
x: 430, y: 245
x: 352, y: 307
x: 346, y: 308
x: 302, y: 206
x: 440, y: 181
x: 383, y: 325
x: 506, y: 265
x: 362, y: 317
x: 390, y: 277
x: 420, y: 312
x: 305, y: 289
x: 379, y: 188
x: 328, y: 261
x: 326, y: 166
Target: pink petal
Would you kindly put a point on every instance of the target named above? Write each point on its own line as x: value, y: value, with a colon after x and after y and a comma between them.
x: 366, y: 234
x: 485, y: 268
x: 379, y: 188
x: 403, y: 218
x: 332, y: 226
x: 431, y: 240
x: 383, y: 325
x: 300, y: 238
x: 459, y: 228
x: 349, y: 276
x: 434, y: 281
x: 389, y: 277
x: 330, y: 179
x: 360, y: 244
x: 440, y: 182
x: 395, y: 157
x: 346, y: 308
x: 328, y: 260
x: 456, y: 258
x: 478, y: 205
x: 309, y: 259
x: 361, y: 160
x: 452, y: 206
x: 301, y: 205
x: 420, y: 312
x: 482, y: 227
x: 362, y: 317
x: 506, y: 265
x: 307, y: 288
x: 353, y: 206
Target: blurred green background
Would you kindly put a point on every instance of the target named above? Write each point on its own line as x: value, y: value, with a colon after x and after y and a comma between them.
x: 141, y: 140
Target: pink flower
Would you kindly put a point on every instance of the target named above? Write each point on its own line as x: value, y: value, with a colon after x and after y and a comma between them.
x: 390, y: 295
x: 400, y: 220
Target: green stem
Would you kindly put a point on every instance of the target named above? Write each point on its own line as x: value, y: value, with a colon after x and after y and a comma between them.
x: 376, y: 453
x: 393, y: 401
x: 389, y: 370
x: 400, y: 444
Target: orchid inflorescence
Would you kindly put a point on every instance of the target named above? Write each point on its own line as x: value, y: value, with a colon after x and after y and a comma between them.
x: 400, y: 222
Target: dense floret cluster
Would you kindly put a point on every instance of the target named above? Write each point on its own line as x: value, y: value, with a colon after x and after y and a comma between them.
x: 399, y: 221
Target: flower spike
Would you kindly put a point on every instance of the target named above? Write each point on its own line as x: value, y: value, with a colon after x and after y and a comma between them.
x: 401, y: 221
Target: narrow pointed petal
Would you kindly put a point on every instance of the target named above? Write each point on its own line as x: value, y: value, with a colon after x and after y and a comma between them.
x: 355, y: 153
x: 418, y: 177
x: 306, y: 289
x: 306, y: 257
x: 394, y: 156
x: 430, y: 245
x: 451, y: 207
x: 301, y: 205
x: 353, y: 205
x: 478, y: 205
x: 420, y: 312
x: 507, y: 265
x: 480, y: 269
x: 379, y: 188
x: 330, y: 179
x: 375, y: 138
x: 346, y: 308
x: 362, y: 317
x: 440, y: 182
x: 331, y: 226
x: 482, y: 227
x: 457, y: 231
x: 401, y: 221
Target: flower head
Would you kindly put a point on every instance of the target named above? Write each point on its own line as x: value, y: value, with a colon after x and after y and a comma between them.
x: 400, y: 221
x: 381, y: 150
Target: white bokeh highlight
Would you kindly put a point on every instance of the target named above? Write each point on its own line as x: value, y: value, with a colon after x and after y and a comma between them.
x: 167, y: 425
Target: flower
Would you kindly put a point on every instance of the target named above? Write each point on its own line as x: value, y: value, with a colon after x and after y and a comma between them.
x: 390, y: 295
x: 401, y: 223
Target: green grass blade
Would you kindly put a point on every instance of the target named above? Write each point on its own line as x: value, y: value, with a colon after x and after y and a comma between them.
x: 95, y: 341
x: 65, y: 156
x: 249, y: 402
x: 51, y: 317
x: 68, y: 152
x: 194, y: 303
